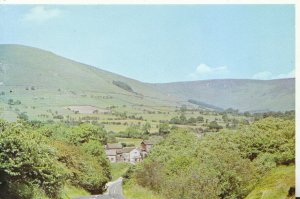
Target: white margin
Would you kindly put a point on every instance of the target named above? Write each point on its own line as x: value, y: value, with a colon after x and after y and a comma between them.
x: 148, y: 2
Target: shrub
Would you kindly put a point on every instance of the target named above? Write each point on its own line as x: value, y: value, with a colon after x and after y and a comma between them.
x: 84, y: 170
x: 26, y: 159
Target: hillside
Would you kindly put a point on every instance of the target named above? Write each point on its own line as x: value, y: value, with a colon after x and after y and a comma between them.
x: 242, y: 94
x: 27, y: 66
x: 44, y: 85
x: 43, y: 80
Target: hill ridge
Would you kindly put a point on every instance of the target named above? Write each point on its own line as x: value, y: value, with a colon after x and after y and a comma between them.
x: 25, y: 66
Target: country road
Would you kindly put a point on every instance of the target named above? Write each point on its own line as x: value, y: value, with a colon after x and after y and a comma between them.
x: 114, y: 192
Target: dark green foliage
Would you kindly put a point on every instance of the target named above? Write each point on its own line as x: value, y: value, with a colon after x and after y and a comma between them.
x: 60, y: 117
x: 204, y: 105
x: 123, y: 85
x: 26, y: 159
x: 214, y: 126
x: 128, y: 174
x: 10, y: 102
x: 283, y: 115
x: 182, y: 120
x: 163, y: 129
x: 86, y: 166
x: 23, y: 116
x: 136, y: 131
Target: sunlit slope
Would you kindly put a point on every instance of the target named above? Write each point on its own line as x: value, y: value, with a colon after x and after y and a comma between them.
x: 243, y: 94
x: 60, y: 82
x: 22, y: 66
x: 278, y: 183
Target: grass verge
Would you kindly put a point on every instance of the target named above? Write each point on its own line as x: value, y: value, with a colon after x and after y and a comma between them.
x: 118, y: 169
x: 132, y: 190
x: 72, y: 192
x: 275, y: 185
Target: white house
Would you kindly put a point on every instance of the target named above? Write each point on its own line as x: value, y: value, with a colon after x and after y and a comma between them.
x: 126, y: 153
x: 111, y: 155
x: 135, y: 156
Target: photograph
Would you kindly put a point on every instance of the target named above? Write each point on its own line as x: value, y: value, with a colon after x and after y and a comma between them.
x: 127, y: 100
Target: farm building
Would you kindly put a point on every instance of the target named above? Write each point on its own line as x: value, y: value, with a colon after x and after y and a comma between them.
x: 146, y: 145
x: 114, y: 152
x: 118, y: 153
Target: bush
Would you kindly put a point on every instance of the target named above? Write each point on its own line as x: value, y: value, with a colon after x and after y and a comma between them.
x: 83, y: 169
x: 26, y: 159
x: 36, y: 160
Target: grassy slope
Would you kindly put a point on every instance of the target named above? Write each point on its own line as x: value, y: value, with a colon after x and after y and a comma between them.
x: 61, y: 82
x: 242, y: 94
x: 71, y: 192
x: 22, y: 67
x: 26, y: 66
x: 275, y: 185
x: 132, y: 190
x: 118, y: 169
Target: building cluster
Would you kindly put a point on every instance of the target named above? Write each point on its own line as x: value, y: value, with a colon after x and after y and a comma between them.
x: 117, y: 153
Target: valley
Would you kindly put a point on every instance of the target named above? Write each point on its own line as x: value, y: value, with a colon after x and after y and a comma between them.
x: 69, y: 115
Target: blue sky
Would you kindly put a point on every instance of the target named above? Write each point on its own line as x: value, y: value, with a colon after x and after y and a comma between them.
x: 162, y: 43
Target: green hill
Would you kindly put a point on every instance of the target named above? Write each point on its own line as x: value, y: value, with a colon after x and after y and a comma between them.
x: 41, y: 83
x: 27, y: 66
x: 41, y: 80
x: 242, y: 94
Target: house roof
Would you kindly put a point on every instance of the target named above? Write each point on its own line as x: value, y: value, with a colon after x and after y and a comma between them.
x: 128, y: 149
x: 147, y: 142
x: 114, y: 146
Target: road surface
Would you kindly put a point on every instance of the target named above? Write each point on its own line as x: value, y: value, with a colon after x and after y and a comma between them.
x: 114, y: 192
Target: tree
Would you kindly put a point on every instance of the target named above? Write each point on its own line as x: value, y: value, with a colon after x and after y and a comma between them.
x: 183, y: 108
x: 86, y: 132
x: 214, y: 126
x: 26, y: 159
x: 225, y: 117
x: 163, y: 128
x: 146, y: 128
x: 247, y: 114
x: 23, y: 116
x: 200, y: 119
x: 182, y: 118
x: 11, y: 102
x: 133, y: 131
x: 86, y: 166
